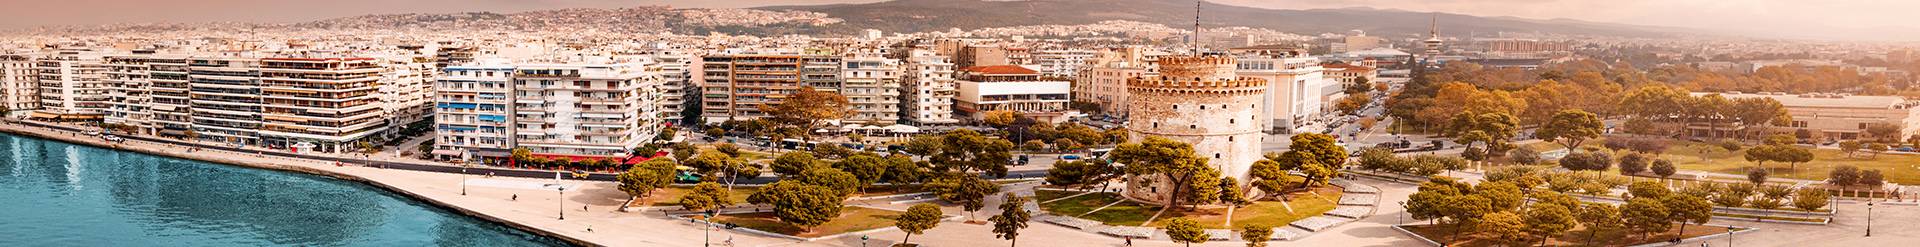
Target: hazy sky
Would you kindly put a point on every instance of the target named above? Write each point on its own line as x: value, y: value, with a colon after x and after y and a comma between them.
x: 1827, y: 19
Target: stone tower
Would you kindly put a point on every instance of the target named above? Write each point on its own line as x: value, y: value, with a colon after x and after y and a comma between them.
x: 1197, y: 100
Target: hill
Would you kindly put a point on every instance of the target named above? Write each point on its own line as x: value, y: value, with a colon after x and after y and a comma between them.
x: 939, y: 15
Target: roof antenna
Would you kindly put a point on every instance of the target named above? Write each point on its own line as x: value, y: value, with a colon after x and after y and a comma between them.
x: 1196, y: 27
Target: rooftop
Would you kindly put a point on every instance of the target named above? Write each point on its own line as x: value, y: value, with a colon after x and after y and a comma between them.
x: 1822, y: 100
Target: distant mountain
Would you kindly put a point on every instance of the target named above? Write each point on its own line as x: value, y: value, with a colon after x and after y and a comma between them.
x: 940, y: 15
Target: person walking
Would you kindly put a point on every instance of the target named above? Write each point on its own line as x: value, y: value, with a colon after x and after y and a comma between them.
x: 1129, y: 240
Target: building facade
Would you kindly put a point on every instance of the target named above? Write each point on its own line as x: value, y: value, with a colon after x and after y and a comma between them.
x: 473, y: 109
x: 19, y: 83
x: 1011, y: 88
x: 73, y: 86
x: 928, y: 89
x: 872, y: 87
x: 735, y: 86
x: 586, y: 109
x: 1295, y: 87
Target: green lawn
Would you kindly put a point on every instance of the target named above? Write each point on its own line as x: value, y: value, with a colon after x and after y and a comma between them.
x: 1124, y: 214
x: 851, y: 219
x: 1779, y: 218
x: 1576, y: 237
x: 670, y: 196
x: 1270, y: 213
x: 1077, y: 205
x: 1046, y: 195
x: 1897, y: 168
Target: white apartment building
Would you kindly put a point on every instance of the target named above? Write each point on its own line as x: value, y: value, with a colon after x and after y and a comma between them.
x: 872, y: 87
x: 406, y: 94
x: 19, y: 83
x: 676, y: 87
x: 1103, y: 81
x: 129, y: 81
x: 929, y: 89
x: 1061, y: 63
x: 322, y: 104
x: 586, y: 109
x: 72, y: 85
x: 472, y: 113
x: 1296, y: 87
x: 1011, y: 88
x: 223, y: 100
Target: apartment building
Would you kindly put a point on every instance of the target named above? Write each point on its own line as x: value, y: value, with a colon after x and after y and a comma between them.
x: 223, y: 100
x: 677, y: 90
x: 581, y: 109
x: 928, y: 88
x: 1346, y: 75
x: 472, y: 115
x: 1062, y: 63
x: 1103, y: 81
x: 872, y: 87
x: 72, y: 86
x: 19, y: 83
x: 1011, y: 88
x: 323, y: 104
x: 406, y: 91
x: 735, y: 86
x: 1296, y: 87
x: 128, y: 79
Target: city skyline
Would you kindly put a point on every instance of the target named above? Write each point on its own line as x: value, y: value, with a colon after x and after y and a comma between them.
x: 1852, y: 20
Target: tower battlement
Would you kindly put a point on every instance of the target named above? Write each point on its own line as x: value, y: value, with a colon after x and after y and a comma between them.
x: 1197, y: 68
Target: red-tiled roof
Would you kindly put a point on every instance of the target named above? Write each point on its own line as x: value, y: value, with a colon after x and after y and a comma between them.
x: 1000, y: 70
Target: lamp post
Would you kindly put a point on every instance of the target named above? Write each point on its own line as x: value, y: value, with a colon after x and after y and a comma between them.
x: 1401, y: 218
x: 708, y: 230
x: 463, y: 178
x: 1869, y: 218
x: 562, y: 200
x: 1729, y: 235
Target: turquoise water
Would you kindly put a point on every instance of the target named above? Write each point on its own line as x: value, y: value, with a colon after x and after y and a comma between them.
x: 57, y: 194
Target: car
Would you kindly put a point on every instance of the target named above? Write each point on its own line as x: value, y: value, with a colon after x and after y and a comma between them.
x: 1070, y: 157
x: 1904, y: 149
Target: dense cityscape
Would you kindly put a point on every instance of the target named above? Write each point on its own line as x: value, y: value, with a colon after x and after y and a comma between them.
x: 883, y: 124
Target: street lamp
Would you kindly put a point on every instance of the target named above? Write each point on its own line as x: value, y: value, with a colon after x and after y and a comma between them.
x: 1729, y: 235
x: 563, y: 200
x: 463, y: 178
x: 1869, y: 218
x: 708, y: 239
x: 1401, y: 218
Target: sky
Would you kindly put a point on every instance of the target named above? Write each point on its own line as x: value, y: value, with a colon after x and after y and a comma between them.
x: 1811, y: 19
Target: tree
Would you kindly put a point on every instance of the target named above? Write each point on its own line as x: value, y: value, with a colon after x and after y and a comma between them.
x: 918, y: 219
x: 1850, y: 147
x: 1735, y: 195
x: 1256, y: 235
x: 1523, y: 156
x: 727, y: 148
x: 969, y: 191
x: 1883, y: 131
x: 1317, y: 156
x: 1013, y: 216
x: 1063, y: 144
x: 999, y: 118
x: 1269, y: 177
x: 1664, y: 168
x: 868, y: 168
x: 1502, y: 195
x: 1185, y: 231
x: 710, y: 164
x: 966, y: 151
x: 1351, y: 104
x: 1634, y: 163
x: 1588, y: 161
x: 1687, y: 209
x: 807, y: 108
x: 642, y: 179
x: 1757, y: 176
x: 706, y: 196
x: 841, y: 182
x: 902, y: 169
x: 1599, y: 217
x: 1845, y: 175
x: 793, y: 163
x: 1872, y: 178
x: 1230, y: 193
x: 1167, y: 159
x: 1547, y: 220
x: 1810, y: 200
x: 799, y: 204
x: 1505, y: 226
x: 1876, y: 149
x: 1571, y: 127
x: 1648, y: 189
x: 1646, y: 215
x: 1066, y: 173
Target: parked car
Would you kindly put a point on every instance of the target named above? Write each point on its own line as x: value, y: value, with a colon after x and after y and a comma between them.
x: 1070, y: 157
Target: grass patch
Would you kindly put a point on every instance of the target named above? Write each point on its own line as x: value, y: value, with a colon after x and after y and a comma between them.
x: 1124, y: 214
x: 1046, y: 195
x: 851, y: 219
x: 1576, y: 237
x: 1897, y: 168
x: 670, y: 196
x: 1271, y: 213
x: 1076, y: 206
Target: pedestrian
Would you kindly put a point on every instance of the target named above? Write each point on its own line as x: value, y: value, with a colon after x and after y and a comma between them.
x: 583, y: 207
x: 589, y: 228
x: 1129, y: 240
x: 516, y: 197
